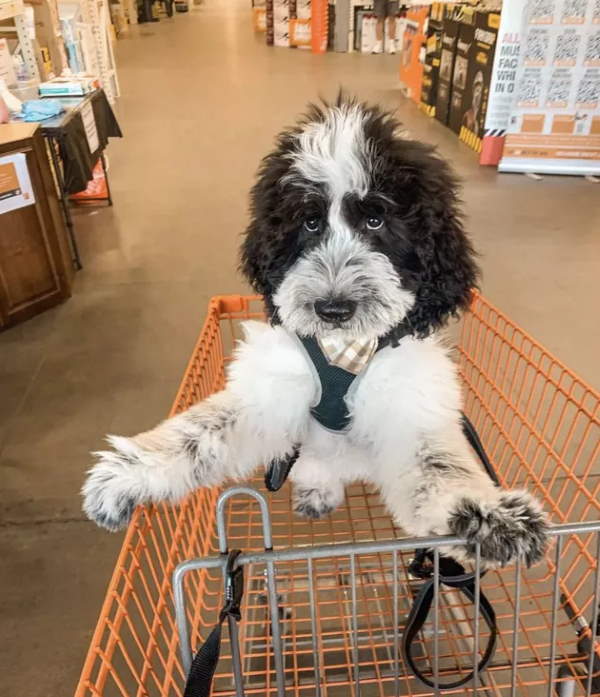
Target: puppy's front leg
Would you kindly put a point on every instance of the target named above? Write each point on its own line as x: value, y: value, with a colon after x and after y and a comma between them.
x: 215, y: 440
x: 447, y: 492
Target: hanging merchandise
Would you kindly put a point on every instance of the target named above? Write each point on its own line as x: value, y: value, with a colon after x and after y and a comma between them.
x: 554, y: 126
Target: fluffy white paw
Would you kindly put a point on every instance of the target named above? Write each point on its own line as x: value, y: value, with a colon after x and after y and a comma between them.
x: 111, y: 492
x: 316, y: 503
x: 513, y: 527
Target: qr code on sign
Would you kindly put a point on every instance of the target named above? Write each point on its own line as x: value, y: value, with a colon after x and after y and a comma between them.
x: 567, y: 45
x: 574, y: 10
x: 529, y: 92
x: 558, y: 92
x: 588, y: 92
x: 542, y: 10
x: 592, y: 50
x: 536, y: 47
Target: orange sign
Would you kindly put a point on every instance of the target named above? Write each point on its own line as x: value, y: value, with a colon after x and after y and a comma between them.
x: 411, y: 66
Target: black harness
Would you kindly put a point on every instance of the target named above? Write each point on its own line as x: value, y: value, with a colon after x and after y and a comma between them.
x: 332, y: 409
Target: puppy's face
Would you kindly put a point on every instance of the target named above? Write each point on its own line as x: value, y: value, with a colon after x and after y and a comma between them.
x: 355, y: 229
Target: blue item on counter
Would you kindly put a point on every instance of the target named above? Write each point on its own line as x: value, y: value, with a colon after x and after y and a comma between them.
x: 41, y: 109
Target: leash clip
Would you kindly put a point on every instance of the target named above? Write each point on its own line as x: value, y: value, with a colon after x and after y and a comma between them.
x: 422, y: 565
x: 234, y: 587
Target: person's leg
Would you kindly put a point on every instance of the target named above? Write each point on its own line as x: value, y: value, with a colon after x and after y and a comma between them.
x: 379, y: 12
x: 392, y: 11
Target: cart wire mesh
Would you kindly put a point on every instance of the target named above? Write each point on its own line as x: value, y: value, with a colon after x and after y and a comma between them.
x: 340, y: 613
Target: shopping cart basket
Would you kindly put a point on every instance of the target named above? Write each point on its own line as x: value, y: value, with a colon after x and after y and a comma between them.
x: 323, y: 611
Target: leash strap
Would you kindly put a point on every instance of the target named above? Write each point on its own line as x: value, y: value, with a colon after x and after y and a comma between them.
x: 278, y: 470
x: 451, y: 574
x: 204, y: 664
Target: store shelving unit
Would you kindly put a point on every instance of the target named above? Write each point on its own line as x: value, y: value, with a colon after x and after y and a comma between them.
x: 100, y: 54
x: 14, y: 10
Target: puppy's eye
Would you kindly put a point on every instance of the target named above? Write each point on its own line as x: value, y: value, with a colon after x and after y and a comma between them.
x: 312, y: 224
x: 374, y: 222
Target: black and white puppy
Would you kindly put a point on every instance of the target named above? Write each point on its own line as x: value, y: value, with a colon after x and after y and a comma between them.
x: 355, y: 239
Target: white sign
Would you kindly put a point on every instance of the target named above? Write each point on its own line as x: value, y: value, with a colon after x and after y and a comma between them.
x: 89, y: 124
x: 506, y: 63
x: 15, y: 184
x: 554, y: 125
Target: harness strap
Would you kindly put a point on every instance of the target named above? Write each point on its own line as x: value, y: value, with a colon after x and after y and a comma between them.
x: 332, y: 410
x: 204, y: 664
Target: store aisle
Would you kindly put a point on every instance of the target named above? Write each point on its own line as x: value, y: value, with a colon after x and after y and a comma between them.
x: 202, y: 99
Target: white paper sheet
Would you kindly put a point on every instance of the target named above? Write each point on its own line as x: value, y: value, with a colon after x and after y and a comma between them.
x: 15, y: 183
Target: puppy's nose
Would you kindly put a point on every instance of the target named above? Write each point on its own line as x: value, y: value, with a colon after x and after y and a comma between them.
x: 335, y: 310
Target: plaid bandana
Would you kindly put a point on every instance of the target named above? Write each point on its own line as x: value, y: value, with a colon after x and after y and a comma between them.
x: 351, y: 356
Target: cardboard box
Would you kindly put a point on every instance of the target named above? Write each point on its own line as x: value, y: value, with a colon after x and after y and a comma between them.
x: 448, y: 40
x: 479, y: 74
x: 300, y: 33
x: 466, y: 37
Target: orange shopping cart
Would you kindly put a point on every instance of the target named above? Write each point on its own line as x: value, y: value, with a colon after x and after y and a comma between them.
x: 325, y: 602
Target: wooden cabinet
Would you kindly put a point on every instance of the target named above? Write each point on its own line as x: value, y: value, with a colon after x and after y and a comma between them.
x: 35, y: 260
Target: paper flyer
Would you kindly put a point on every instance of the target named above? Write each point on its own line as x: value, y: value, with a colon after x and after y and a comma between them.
x: 15, y: 184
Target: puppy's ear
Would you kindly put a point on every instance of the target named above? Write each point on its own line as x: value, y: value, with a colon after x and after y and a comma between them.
x: 447, y: 271
x: 269, y: 248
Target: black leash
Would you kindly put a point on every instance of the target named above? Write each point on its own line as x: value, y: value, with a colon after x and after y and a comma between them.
x: 204, y: 664
x: 451, y: 574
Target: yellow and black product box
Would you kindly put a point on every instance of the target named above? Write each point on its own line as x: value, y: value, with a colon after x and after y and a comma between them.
x: 479, y: 74
x: 448, y: 41
x: 464, y: 43
x: 431, y: 65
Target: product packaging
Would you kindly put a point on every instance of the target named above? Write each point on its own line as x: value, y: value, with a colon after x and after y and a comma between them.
x: 431, y: 67
x: 449, y: 38
x: 413, y: 49
x: 479, y: 74
x: 466, y: 37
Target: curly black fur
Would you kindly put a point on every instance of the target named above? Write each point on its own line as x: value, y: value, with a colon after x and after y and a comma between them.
x: 413, y: 187
x: 515, y: 527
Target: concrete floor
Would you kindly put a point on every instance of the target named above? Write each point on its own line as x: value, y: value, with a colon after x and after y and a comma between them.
x: 202, y: 100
